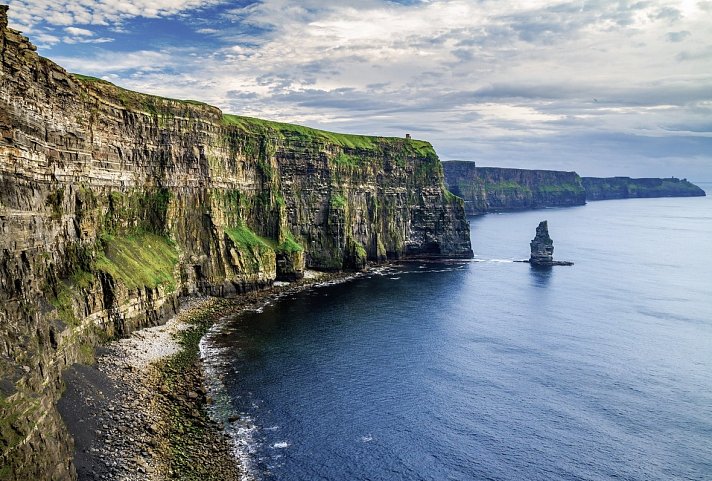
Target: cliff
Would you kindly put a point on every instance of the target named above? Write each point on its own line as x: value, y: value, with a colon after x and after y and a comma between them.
x: 625, y: 188
x: 114, y: 204
x: 493, y: 189
x: 488, y: 189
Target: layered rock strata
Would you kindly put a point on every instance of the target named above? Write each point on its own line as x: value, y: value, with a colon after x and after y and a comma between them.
x: 604, y: 188
x: 114, y: 204
x: 494, y: 189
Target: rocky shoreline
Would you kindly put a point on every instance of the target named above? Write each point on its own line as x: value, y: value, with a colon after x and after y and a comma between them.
x: 140, y: 411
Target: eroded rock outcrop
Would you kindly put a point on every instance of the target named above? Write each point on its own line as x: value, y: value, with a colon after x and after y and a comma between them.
x: 113, y: 204
x: 542, y: 248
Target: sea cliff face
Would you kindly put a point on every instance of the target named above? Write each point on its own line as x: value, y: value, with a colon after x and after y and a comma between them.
x: 114, y: 204
x: 628, y: 188
x: 494, y: 189
x: 488, y: 189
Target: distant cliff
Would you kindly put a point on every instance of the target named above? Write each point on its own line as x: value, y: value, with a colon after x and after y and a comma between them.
x: 493, y: 189
x: 114, y: 204
x: 488, y: 189
x: 625, y: 187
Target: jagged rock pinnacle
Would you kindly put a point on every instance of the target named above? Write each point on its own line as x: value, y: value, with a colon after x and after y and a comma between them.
x: 542, y: 246
x: 543, y: 249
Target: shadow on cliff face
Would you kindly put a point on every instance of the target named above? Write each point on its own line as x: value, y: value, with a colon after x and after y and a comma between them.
x: 540, y: 275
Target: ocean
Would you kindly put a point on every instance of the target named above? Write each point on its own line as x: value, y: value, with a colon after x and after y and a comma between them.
x: 490, y: 369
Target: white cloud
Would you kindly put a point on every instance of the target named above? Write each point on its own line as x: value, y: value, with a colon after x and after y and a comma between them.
x: 82, y: 35
x: 474, y: 75
x: 46, y: 39
x: 73, y: 40
x: 97, y: 12
x: 109, y: 62
x: 79, y: 32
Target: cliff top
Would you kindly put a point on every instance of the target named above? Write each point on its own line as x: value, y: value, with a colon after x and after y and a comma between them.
x: 351, y: 141
x: 157, y: 105
x: 87, y: 79
x: 153, y: 104
x: 470, y: 165
x: 645, y: 186
x: 139, y: 101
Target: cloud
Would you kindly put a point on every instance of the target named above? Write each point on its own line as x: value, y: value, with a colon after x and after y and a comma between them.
x: 703, y: 53
x: 73, y: 40
x: 79, y: 32
x: 128, y: 63
x: 82, y: 35
x: 553, y: 81
x: 95, y: 12
x: 677, y: 36
x: 45, y: 39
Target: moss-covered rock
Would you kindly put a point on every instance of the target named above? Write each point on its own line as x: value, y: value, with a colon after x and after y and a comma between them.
x: 113, y: 204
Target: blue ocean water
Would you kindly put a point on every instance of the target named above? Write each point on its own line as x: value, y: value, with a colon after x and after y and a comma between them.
x: 491, y: 370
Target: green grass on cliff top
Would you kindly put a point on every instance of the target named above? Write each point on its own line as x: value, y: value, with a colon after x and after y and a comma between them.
x: 131, y: 98
x: 139, y: 101
x: 87, y: 78
x: 351, y: 141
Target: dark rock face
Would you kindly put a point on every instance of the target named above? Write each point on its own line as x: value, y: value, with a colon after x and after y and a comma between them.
x: 542, y: 246
x: 542, y: 249
x: 625, y: 188
x: 492, y: 189
x: 114, y: 204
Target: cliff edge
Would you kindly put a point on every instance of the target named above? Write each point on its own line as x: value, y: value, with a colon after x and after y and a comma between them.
x: 605, y: 188
x: 495, y: 189
x: 114, y: 204
x: 491, y: 189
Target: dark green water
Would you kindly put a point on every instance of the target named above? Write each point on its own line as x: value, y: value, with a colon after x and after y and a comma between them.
x: 489, y: 369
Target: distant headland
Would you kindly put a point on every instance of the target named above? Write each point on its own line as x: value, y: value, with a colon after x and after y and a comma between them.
x: 493, y: 189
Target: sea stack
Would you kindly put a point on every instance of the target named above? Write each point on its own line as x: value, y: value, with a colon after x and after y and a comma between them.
x: 543, y: 248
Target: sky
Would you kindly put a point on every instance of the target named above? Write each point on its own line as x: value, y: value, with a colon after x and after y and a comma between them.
x: 601, y: 87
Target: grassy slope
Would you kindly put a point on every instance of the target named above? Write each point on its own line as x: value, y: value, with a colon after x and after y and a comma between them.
x: 136, y: 100
x: 350, y: 141
x: 146, y: 102
x: 139, y: 260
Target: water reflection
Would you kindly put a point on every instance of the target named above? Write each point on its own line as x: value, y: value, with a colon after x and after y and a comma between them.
x: 541, y: 275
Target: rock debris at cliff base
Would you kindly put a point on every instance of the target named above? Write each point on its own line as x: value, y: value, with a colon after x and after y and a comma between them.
x: 139, y: 413
x: 115, y: 205
x: 121, y: 414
